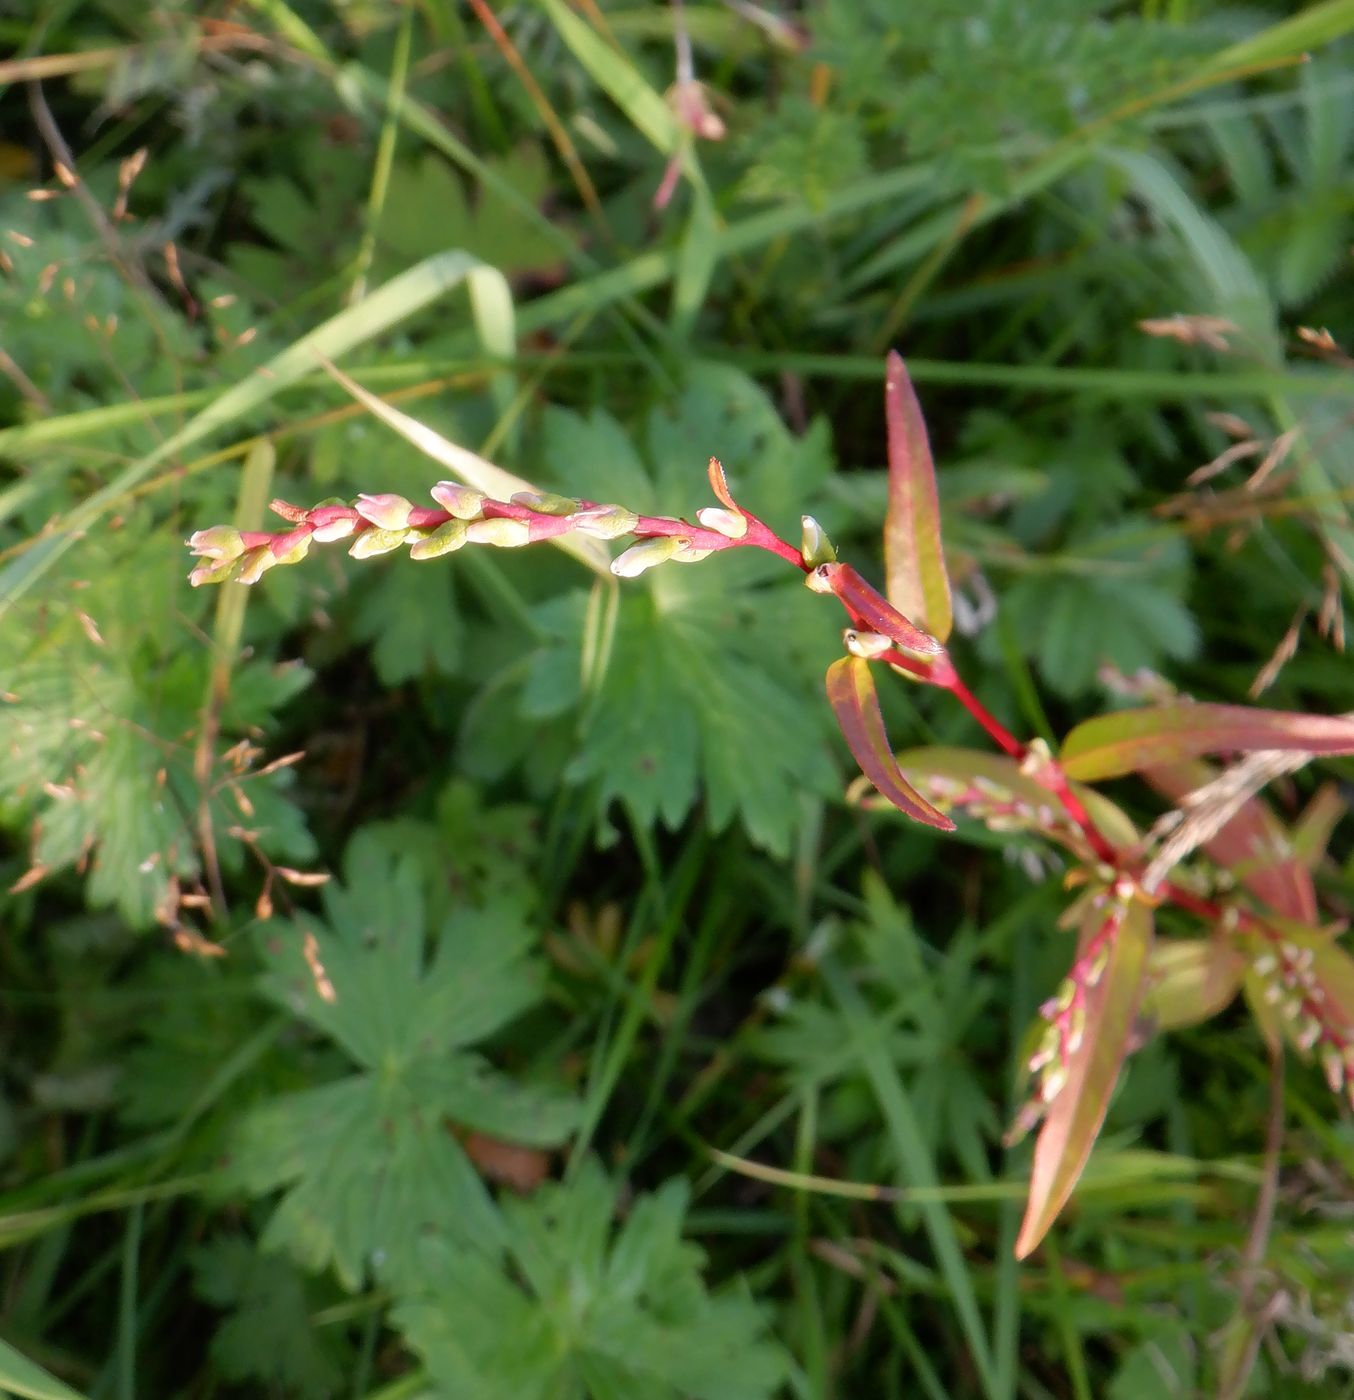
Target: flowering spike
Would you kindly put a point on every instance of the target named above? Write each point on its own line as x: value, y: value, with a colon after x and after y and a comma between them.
x: 866, y: 644
x: 500, y: 530
x: 646, y: 554
x: 690, y: 554
x: 605, y: 522
x: 219, y: 542
x: 214, y: 571
x: 441, y: 541
x: 337, y: 527
x: 728, y: 523
x: 815, y: 547
x: 376, y: 541
x: 386, y: 511
x: 464, y: 502
x: 254, y: 564
x: 545, y: 502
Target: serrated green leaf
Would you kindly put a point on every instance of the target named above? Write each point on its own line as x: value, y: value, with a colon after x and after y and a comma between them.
x: 370, y: 1161
x: 582, y: 1309
x: 1075, y: 1115
x: 411, y: 620
x: 268, y: 1336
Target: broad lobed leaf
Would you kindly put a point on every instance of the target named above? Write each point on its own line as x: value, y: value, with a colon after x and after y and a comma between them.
x: 584, y: 1308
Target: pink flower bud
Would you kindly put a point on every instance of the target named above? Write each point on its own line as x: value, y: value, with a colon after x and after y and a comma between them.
x: 386, y: 511
x: 219, y: 542
x: 464, y: 502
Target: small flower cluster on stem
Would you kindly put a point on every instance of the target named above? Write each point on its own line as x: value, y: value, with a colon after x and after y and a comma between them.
x: 1064, y: 1014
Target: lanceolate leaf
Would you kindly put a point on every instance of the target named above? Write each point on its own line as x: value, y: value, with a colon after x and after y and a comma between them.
x: 851, y: 692
x: 914, y: 559
x: 1131, y: 740
x: 1190, y: 980
x: 1075, y: 1115
x: 1253, y: 846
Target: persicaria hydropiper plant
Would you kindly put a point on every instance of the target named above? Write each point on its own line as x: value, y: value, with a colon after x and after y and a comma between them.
x: 1253, y: 897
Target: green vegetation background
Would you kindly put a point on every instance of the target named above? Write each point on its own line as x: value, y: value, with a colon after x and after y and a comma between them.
x: 598, y: 910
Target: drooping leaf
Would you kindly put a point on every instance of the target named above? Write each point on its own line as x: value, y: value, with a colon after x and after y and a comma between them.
x: 370, y: 1161
x: 914, y: 557
x: 851, y: 693
x: 1112, y: 745
x: 585, y: 1309
x: 1076, y: 1113
x: 1253, y: 846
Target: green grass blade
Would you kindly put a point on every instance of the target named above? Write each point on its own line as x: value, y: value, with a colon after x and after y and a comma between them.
x: 916, y: 1166
x: 22, y: 1377
x: 1290, y: 38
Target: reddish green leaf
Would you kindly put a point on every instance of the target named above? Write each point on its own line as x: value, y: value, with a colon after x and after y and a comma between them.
x: 914, y: 558
x: 851, y: 693
x: 1190, y: 980
x: 1254, y: 845
x: 866, y: 604
x: 1129, y: 740
x: 1075, y: 1115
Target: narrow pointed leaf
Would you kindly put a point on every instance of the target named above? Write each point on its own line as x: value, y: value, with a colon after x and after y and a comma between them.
x: 1075, y: 1116
x: 1130, y: 740
x: 914, y: 558
x: 851, y: 692
x: 1253, y: 845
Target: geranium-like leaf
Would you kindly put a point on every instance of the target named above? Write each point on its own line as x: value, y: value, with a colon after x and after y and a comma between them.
x: 851, y: 692
x: 914, y: 558
x: 1253, y: 845
x: 1075, y: 1115
x: 369, y: 1161
x: 1130, y: 740
x: 1190, y: 980
x: 575, y: 1304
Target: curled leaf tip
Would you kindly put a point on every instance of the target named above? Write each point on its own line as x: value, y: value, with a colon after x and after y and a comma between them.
x: 719, y: 484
